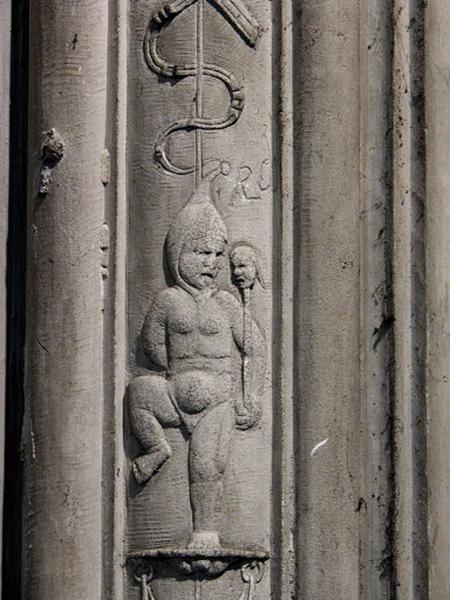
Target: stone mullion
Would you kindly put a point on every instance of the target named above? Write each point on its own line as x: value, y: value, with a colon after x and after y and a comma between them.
x: 327, y: 277
x: 376, y: 304
x: 409, y: 517
x: 437, y: 67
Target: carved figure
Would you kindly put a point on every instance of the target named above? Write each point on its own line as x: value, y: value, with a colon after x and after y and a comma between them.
x: 201, y: 339
x: 190, y: 333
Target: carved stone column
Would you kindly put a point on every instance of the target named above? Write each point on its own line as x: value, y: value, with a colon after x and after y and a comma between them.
x: 62, y: 436
x: 237, y: 315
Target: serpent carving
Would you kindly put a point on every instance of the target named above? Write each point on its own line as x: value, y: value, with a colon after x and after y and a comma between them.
x: 249, y: 29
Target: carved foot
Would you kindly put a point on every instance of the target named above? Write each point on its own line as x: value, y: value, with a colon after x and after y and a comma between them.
x: 145, y: 466
x: 204, y: 541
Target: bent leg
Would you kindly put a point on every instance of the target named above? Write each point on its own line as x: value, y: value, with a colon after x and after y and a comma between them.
x: 150, y: 410
x: 208, y: 457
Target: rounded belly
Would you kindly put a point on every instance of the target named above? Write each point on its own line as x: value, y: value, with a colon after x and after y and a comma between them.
x: 198, y: 390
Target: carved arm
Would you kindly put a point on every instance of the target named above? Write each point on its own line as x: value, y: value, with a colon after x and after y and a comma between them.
x: 153, y: 336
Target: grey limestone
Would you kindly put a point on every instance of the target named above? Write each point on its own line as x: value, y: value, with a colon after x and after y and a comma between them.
x: 237, y: 300
x: 5, y: 56
x: 62, y: 436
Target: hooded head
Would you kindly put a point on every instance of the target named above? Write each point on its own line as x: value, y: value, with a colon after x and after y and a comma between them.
x: 196, y: 243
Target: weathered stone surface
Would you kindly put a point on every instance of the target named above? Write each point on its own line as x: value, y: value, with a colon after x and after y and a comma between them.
x: 327, y: 285
x: 237, y: 301
x: 5, y: 57
x: 199, y: 251
x: 438, y: 277
x: 62, y: 438
x: 375, y: 503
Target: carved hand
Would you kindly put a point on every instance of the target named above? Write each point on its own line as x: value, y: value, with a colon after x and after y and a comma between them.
x: 248, y: 418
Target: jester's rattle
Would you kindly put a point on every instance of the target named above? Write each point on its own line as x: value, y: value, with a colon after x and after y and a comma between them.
x: 245, y: 272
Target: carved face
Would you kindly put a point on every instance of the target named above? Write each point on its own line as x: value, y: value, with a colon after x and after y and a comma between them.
x: 243, y: 266
x: 200, y: 261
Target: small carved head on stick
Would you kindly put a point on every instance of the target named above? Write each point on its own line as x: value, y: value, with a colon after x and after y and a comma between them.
x: 245, y: 266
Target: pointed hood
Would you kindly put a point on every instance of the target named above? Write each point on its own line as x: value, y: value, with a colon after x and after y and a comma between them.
x: 198, y: 220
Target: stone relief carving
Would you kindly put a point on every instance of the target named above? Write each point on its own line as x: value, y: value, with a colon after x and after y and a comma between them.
x: 246, y: 271
x: 251, y: 575
x: 245, y: 24
x: 189, y: 333
x: 196, y: 327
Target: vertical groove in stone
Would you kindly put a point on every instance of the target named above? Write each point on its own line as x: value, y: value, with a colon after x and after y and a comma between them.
x: 376, y: 302
x: 285, y: 409
x: 5, y: 57
x: 327, y: 243
x: 114, y: 501
x: 437, y: 299
x: 410, y: 540
x: 419, y: 306
x: 62, y: 435
x: 15, y: 284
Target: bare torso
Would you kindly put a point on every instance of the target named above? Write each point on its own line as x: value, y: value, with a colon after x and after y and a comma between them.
x: 198, y: 335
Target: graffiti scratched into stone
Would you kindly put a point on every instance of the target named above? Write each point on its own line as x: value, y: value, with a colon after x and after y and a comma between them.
x: 242, y: 186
